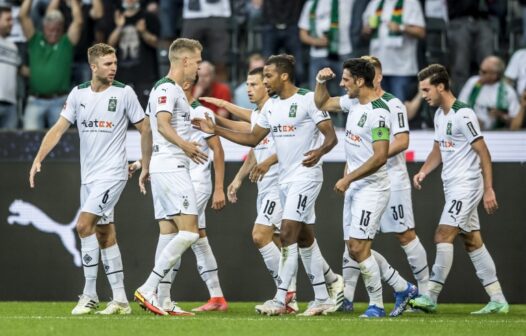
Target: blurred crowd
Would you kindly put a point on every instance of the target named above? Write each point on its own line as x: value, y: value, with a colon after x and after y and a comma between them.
x: 43, y: 47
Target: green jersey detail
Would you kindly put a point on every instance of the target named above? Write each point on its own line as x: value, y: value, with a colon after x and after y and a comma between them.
x: 380, y: 133
x: 118, y: 84
x: 84, y: 85
x: 302, y: 91
x: 457, y: 105
x: 380, y: 104
x: 162, y: 81
x: 387, y: 96
x: 195, y: 104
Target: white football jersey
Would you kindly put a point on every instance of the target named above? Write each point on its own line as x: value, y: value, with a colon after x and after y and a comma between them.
x: 102, y: 121
x: 200, y: 173
x: 293, y: 125
x: 396, y: 167
x: 168, y: 96
x: 454, y: 133
x: 262, y: 151
x: 366, y: 124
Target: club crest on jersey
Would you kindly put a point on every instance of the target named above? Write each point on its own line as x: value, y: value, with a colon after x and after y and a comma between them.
x: 448, y: 128
x: 362, y: 120
x: 112, y: 104
x: 292, y: 111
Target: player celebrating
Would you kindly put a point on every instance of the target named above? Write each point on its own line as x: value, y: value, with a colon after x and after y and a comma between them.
x: 365, y: 182
x: 101, y: 108
x: 172, y: 190
x: 295, y: 125
x: 460, y: 147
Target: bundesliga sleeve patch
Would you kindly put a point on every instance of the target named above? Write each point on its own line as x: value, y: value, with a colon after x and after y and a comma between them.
x: 380, y: 133
x: 161, y: 100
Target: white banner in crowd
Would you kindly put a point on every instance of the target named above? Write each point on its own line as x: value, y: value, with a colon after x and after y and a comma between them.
x: 503, y: 146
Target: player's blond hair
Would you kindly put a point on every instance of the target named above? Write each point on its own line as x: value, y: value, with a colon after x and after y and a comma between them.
x: 99, y: 50
x: 181, y: 45
x: 374, y: 61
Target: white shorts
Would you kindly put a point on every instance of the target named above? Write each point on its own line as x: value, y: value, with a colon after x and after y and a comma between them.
x: 398, y: 216
x: 202, y: 201
x: 173, y: 194
x: 460, y: 209
x: 100, y: 197
x: 269, y: 208
x: 362, y: 210
x: 299, y: 200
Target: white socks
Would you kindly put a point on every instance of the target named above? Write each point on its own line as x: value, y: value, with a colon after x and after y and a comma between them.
x: 164, y: 288
x: 371, y: 278
x: 417, y: 258
x: 271, y: 255
x: 169, y: 256
x: 487, y: 273
x: 440, y: 271
x: 350, y: 273
x: 112, y: 261
x: 288, y: 266
x: 89, y: 250
x: 207, y: 266
x: 389, y: 274
x: 314, y: 263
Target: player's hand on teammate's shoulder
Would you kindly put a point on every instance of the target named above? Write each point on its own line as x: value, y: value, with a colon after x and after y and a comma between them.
x: 418, y: 179
x: 35, y: 168
x: 312, y: 157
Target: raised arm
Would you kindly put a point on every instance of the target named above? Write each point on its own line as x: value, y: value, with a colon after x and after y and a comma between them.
x: 490, y: 200
x: 322, y: 98
x: 434, y: 159
x: 25, y: 19
x: 313, y: 156
x: 97, y: 9
x: 246, y: 167
x: 238, y: 126
x: 49, y: 142
x: 377, y: 160
x: 115, y: 35
x: 240, y: 112
x: 218, y: 198
x: 252, y: 138
x: 75, y: 28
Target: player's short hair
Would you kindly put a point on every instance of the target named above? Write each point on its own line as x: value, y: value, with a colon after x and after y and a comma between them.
x: 4, y: 8
x: 256, y: 71
x: 284, y: 64
x: 99, y: 50
x: 374, y: 61
x: 361, y: 68
x: 437, y: 74
x: 183, y: 44
x: 53, y: 16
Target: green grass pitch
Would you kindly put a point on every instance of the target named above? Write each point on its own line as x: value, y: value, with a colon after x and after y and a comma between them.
x: 53, y: 318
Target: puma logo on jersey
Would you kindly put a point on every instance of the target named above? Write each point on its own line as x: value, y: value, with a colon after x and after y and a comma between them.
x: 24, y: 214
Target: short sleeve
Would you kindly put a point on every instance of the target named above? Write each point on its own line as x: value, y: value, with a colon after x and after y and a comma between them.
x: 380, y: 125
x: 167, y: 95
x: 262, y: 120
x: 303, y: 22
x: 399, y: 122
x: 134, y: 109
x: 345, y: 103
x: 69, y: 110
x: 413, y: 14
x: 512, y: 71
x: 469, y: 124
x: 316, y: 115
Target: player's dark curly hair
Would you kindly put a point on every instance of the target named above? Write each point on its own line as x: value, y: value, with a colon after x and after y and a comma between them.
x: 437, y: 74
x: 361, y: 68
x: 284, y: 64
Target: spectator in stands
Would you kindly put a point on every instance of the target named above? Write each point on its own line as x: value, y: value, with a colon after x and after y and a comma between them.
x: 90, y: 14
x: 359, y: 43
x: 9, y: 62
x: 395, y: 27
x: 516, y: 70
x: 169, y: 11
x: 280, y: 32
x: 325, y: 26
x: 135, y: 37
x: 208, y: 21
x: 240, y: 93
x: 50, y: 53
x: 494, y: 101
x: 208, y: 86
x: 470, y: 38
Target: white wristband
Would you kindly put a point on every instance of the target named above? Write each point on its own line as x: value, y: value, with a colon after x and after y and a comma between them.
x: 320, y: 81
